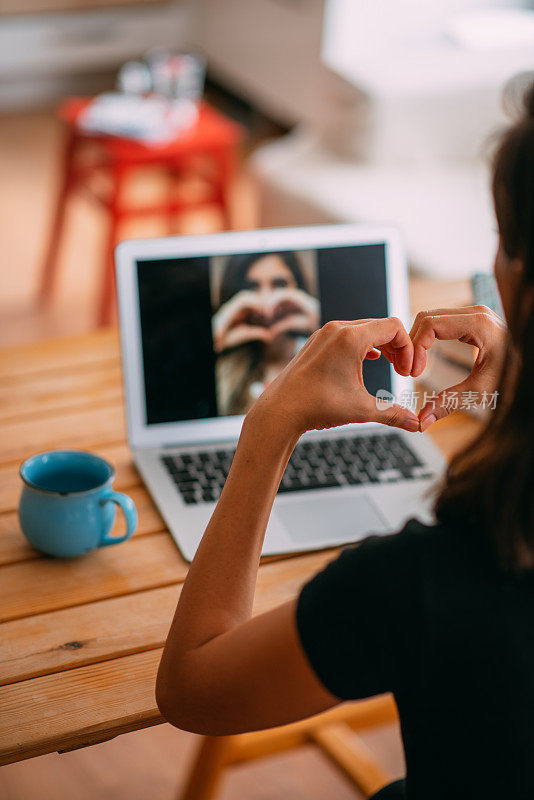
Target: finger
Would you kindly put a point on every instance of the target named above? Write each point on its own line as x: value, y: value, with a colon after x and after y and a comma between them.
x: 244, y: 334
x: 391, y: 338
x: 299, y: 296
x: 391, y: 356
x: 286, y: 306
x: 438, y: 312
x: 295, y: 322
x: 235, y: 309
x: 373, y: 354
x: 447, y: 401
x: 469, y: 328
x: 242, y: 299
x: 392, y: 414
x: 284, y: 301
x: 388, y: 356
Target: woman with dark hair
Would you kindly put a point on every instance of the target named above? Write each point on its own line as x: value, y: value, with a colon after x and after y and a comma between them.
x: 442, y: 616
x: 235, y: 277
x: 265, y: 315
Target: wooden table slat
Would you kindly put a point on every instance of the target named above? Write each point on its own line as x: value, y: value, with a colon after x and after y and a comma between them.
x: 60, y: 394
x: 78, y: 429
x: 78, y: 707
x: 59, y: 354
x: 59, y: 640
x: 144, y: 562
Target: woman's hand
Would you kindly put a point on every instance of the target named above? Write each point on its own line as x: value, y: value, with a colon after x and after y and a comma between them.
x: 323, y: 385
x: 475, y: 325
x: 238, y: 321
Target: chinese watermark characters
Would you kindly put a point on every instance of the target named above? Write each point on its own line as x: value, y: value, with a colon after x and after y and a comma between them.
x: 467, y: 400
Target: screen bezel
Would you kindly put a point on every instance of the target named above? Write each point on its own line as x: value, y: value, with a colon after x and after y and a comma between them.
x: 127, y: 253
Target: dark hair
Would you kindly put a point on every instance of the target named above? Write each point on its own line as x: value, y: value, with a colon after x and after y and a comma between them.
x: 490, y: 483
x: 235, y: 272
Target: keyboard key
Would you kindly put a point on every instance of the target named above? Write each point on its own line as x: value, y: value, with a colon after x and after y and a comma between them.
x: 171, y: 465
x: 389, y: 476
x: 316, y: 483
x: 189, y: 498
x: 183, y: 476
x: 188, y: 486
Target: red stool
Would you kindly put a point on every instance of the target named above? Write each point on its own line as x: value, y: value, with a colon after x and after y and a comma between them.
x: 208, y: 149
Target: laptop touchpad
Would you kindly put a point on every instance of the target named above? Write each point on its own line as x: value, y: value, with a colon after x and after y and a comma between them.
x: 333, y: 519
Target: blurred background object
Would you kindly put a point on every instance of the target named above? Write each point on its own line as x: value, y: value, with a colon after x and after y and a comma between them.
x: 193, y: 147
x: 156, y: 98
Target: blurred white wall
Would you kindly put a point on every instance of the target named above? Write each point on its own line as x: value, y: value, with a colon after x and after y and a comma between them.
x: 431, y: 74
x: 412, y: 47
x: 267, y: 51
x: 399, y: 23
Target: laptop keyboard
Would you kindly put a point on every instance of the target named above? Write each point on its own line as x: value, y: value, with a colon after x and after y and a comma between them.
x: 314, y: 464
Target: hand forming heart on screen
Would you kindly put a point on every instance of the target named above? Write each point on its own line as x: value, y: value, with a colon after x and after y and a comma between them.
x: 248, y: 317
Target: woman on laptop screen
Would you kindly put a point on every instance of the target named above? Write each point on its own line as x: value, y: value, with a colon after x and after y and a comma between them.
x: 265, y: 312
x: 442, y: 616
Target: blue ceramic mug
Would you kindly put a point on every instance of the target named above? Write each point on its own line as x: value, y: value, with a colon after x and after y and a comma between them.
x: 68, y: 506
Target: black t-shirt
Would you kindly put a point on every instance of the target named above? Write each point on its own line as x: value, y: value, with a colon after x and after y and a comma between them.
x: 427, y: 614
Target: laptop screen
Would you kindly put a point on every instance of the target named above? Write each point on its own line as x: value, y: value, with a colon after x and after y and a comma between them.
x: 216, y: 330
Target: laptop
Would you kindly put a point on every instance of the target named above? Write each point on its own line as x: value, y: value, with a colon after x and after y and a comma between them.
x: 208, y: 321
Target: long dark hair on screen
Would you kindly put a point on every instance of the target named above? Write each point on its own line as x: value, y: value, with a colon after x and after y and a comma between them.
x: 490, y: 484
x: 234, y: 278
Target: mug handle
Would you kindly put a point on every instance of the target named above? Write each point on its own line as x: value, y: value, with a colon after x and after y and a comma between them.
x: 126, y: 504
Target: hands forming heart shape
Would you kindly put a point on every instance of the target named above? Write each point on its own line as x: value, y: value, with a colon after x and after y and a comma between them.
x: 323, y: 385
x: 474, y: 325
x: 247, y: 317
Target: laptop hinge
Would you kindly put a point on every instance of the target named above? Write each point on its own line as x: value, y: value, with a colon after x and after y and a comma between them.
x: 198, y: 443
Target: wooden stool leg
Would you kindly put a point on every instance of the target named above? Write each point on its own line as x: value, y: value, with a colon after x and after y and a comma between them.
x: 107, y: 290
x: 352, y: 756
x: 213, y: 755
x: 50, y: 261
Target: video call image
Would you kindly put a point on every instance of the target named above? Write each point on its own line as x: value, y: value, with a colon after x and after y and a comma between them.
x: 216, y: 330
x: 265, y: 307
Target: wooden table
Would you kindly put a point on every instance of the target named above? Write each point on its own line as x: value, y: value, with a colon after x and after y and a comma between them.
x: 81, y: 639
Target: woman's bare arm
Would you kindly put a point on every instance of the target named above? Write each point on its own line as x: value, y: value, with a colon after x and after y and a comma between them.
x: 218, y: 671
x: 221, y: 671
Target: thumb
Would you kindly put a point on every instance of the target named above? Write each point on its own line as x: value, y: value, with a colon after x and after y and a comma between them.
x: 447, y: 401
x: 389, y: 413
